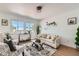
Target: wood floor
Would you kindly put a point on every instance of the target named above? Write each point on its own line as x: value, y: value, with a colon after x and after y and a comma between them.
x: 66, y: 51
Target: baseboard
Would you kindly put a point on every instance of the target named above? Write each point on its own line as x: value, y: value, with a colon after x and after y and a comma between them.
x: 67, y: 46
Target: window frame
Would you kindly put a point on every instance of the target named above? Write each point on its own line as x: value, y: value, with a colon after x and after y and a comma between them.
x: 30, y: 25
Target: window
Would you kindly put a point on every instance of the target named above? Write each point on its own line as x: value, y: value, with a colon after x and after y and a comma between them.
x: 15, y: 25
x: 28, y: 26
x: 19, y: 25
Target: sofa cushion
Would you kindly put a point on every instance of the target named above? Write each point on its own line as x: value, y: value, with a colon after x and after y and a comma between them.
x: 24, y: 37
x: 53, y: 37
x: 48, y: 36
x: 14, y: 38
x: 42, y: 35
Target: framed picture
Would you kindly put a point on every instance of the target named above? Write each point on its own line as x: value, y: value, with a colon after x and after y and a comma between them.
x: 4, y: 22
x: 72, y: 20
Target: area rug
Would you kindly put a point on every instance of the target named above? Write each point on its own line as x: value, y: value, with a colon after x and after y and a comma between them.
x: 47, y: 51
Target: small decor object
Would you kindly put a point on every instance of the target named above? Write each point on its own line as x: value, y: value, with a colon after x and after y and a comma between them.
x: 72, y: 20
x: 77, y: 38
x: 4, y: 22
x: 52, y: 23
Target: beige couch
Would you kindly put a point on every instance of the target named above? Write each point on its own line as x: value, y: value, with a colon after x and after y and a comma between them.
x: 22, y: 38
x: 51, y: 40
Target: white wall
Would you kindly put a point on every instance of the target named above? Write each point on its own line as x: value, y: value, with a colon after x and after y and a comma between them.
x: 67, y: 32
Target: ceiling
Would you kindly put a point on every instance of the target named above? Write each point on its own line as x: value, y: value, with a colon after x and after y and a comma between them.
x: 29, y: 9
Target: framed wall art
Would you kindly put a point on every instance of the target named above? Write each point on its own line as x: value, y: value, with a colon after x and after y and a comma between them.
x: 4, y: 22
x: 72, y: 20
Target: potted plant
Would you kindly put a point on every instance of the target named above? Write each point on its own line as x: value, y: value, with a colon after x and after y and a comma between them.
x: 38, y: 30
x: 77, y: 38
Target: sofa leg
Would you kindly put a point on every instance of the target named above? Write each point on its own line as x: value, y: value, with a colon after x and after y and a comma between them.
x: 23, y: 53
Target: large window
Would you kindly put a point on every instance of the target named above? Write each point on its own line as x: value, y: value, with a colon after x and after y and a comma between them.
x: 28, y: 26
x: 15, y: 25
x: 19, y: 25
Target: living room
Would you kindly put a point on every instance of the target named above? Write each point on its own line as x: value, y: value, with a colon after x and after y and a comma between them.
x: 54, y: 25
